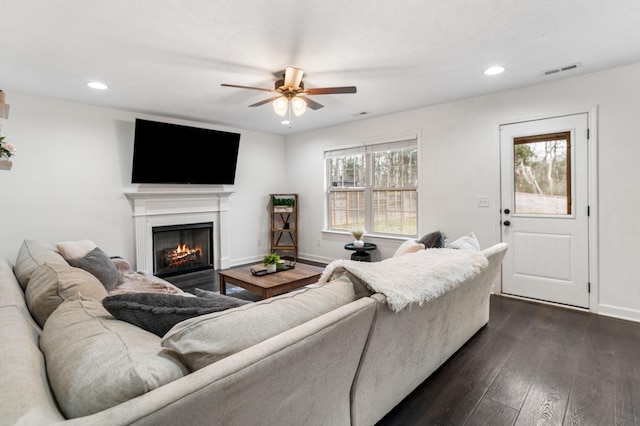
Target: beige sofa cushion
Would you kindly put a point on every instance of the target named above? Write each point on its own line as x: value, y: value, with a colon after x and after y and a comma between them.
x: 52, y: 284
x: 209, y: 338
x: 95, y: 361
x: 31, y: 255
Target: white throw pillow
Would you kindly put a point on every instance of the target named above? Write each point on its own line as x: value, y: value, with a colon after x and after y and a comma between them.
x: 468, y: 242
x: 75, y: 249
x: 409, y: 246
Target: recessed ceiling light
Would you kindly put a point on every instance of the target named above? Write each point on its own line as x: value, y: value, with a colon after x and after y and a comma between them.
x: 97, y: 85
x: 494, y: 70
x: 285, y: 122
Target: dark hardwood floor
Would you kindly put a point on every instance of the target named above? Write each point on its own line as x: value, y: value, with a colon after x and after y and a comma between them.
x: 534, y: 364
x: 209, y: 280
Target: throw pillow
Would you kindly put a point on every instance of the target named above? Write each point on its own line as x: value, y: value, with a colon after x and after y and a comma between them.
x: 409, y: 246
x: 433, y: 240
x: 53, y: 283
x: 209, y: 338
x: 97, y: 263
x: 467, y: 242
x: 31, y: 255
x: 158, y: 313
x: 75, y: 249
x: 95, y: 361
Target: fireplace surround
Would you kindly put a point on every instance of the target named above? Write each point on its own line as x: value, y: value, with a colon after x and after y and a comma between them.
x: 161, y: 208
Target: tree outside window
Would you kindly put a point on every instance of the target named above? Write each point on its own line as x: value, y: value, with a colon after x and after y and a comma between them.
x: 542, y: 174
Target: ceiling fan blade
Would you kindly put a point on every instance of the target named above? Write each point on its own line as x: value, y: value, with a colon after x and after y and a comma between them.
x: 266, y: 101
x: 311, y: 103
x: 247, y: 87
x: 330, y: 90
x: 293, y: 77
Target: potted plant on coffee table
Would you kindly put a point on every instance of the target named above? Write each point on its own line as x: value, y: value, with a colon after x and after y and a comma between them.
x: 270, y: 261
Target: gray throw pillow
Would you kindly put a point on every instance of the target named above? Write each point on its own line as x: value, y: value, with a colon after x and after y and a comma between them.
x: 158, y: 313
x: 98, y: 264
x: 433, y: 239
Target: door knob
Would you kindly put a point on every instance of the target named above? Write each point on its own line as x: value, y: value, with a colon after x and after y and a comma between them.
x: 507, y: 211
x: 506, y: 223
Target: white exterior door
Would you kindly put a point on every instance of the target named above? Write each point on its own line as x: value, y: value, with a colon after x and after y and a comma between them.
x: 544, y: 195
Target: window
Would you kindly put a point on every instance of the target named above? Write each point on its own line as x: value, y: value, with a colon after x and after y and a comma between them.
x: 374, y: 187
x: 542, y: 174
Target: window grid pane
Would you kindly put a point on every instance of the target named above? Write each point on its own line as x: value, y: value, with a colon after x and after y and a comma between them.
x: 348, y: 171
x: 346, y: 209
x: 395, y: 169
x: 395, y: 211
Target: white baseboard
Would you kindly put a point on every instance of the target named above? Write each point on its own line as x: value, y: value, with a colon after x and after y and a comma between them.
x: 256, y: 259
x: 620, y: 313
x: 313, y: 258
x: 245, y: 261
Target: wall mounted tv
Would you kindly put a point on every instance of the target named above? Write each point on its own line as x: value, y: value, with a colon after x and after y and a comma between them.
x: 170, y: 153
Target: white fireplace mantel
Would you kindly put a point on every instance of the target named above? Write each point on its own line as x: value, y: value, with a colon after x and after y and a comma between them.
x: 166, y: 208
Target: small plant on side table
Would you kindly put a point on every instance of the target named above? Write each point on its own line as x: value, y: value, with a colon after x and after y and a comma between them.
x: 357, y: 234
x: 270, y: 261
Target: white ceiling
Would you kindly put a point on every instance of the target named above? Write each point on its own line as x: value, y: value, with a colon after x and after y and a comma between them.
x: 169, y: 57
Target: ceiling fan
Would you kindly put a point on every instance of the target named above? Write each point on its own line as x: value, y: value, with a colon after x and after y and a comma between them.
x: 290, y: 90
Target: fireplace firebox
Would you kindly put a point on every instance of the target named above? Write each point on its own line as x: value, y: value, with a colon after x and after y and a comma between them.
x: 180, y: 249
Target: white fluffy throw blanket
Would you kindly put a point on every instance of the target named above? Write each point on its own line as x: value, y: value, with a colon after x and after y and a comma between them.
x: 413, y: 278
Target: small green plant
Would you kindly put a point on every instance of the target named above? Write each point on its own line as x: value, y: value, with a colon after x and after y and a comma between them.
x: 285, y: 202
x: 270, y: 259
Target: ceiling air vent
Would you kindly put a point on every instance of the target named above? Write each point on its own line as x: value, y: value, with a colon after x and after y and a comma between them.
x: 562, y: 69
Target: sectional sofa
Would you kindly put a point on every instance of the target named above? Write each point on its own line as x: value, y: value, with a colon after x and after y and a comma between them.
x: 324, y: 355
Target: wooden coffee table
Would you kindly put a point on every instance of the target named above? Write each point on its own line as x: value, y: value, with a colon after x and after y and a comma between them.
x: 271, y: 284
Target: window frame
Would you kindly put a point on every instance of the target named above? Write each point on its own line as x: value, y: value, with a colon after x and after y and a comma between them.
x: 368, y: 149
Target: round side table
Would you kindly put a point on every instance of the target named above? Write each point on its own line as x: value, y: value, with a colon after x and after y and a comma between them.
x: 361, y: 254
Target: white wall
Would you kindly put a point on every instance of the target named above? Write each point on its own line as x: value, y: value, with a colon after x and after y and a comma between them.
x: 460, y: 160
x: 74, y: 163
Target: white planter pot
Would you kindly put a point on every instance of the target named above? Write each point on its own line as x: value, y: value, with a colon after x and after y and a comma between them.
x: 271, y: 268
x: 358, y: 243
x: 5, y: 165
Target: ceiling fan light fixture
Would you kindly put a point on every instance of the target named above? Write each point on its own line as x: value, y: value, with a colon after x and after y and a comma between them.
x: 299, y: 106
x: 280, y: 106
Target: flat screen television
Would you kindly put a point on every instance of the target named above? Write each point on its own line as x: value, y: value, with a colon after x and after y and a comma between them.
x: 174, y: 154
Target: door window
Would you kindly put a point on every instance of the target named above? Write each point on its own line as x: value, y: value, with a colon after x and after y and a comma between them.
x: 542, y: 174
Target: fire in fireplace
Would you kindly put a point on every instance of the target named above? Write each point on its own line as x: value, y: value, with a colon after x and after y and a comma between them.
x: 181, y: 249
x: 182, y: 255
